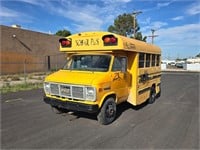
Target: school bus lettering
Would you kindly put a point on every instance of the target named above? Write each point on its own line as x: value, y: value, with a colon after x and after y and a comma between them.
x: 87, y: 42
x: 129, y: 45
x: 104, y: 69
x: 94, y: 42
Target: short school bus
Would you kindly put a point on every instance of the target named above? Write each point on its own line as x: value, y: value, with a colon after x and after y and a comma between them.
x: 104, y: 69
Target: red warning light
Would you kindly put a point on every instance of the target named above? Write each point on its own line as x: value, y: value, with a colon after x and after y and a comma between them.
x: 109, y: 40
x: 65, y: 42
x: 106, y: 40
x: 113, y: 40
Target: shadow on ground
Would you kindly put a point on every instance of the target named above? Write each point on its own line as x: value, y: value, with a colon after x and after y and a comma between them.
x: 121, y: 108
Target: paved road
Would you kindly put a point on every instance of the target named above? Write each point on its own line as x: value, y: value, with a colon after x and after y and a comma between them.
x: 171, y: 122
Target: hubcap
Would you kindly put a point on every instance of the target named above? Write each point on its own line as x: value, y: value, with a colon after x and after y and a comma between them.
x: 110, y: 111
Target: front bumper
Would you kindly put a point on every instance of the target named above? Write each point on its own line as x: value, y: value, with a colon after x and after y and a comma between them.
x: 71, y: 105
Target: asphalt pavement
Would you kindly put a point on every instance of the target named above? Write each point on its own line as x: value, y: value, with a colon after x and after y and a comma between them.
x: 171, y: 122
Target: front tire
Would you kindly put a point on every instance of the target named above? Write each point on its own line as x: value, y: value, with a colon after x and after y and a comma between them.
x: 107, y: 113
x: 56, y: 110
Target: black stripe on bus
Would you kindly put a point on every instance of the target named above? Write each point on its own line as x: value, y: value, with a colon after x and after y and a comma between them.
x: 143, y: 78
x: 144, y: 90
x: 156, y: 76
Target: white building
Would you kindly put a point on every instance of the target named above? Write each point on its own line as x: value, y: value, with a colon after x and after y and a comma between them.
x: 193, y: 60
x: 192, y: 64
x: 168, y: 61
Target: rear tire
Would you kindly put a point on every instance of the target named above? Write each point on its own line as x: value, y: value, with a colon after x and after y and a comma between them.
x: 152, y: 96
x: 107, y: 113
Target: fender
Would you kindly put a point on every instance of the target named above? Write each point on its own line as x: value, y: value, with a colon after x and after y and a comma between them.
x: 106, y: 95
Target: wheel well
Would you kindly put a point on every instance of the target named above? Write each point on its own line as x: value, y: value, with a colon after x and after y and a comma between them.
x: 154, y: 86
x: 111, y: 95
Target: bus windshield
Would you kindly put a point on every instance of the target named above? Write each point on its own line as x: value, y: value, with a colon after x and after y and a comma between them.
x: 89, y: 63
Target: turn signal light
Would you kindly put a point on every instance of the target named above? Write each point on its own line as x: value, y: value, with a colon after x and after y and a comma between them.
x: 109, y: 40
x: 65, y: 42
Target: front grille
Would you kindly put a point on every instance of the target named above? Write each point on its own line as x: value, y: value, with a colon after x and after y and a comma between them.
x: 68, y: 91
x: 65, y: 90
x: 54, y: 89
x: 77, y: 92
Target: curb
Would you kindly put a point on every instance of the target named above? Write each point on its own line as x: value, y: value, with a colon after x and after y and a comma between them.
x: 181, y: 71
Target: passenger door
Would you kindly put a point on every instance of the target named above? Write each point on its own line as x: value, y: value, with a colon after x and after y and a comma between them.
x: 119, y: 78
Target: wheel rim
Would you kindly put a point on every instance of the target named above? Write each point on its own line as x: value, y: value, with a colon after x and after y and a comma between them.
x: 110, y: 111
x: 153, y: 96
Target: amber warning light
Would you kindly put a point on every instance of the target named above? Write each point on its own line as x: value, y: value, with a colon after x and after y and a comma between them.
x: 65, y: 42
x: 109, y: 40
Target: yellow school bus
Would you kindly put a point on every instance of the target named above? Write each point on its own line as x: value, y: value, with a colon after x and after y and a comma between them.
x: 104, y: 69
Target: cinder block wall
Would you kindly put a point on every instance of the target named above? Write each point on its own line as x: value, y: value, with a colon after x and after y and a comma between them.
x: 22, y: 49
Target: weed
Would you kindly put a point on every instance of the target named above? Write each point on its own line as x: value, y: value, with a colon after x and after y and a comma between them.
x: 5, y: 78
x: 31, y: 77
x: 40, y: 78
x: 15, y: 78
x: 20, y: 87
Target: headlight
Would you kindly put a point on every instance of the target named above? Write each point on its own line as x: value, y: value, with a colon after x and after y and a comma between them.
x: 47, y: 88
x: 90, y: 93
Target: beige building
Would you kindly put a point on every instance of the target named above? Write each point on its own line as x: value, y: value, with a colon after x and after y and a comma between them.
x: 23, y: 50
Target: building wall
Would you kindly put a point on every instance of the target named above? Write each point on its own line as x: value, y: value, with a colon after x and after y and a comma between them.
x: 23, y: 50
x: 192, y: 67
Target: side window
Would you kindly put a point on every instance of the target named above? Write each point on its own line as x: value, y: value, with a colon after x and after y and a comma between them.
x: 153, y: 60
x: 120, y: 64
x: 147, y: 60
x: 158, y: 60
x: 141, y: 60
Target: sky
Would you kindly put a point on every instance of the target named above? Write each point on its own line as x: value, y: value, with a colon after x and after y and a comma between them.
x: 176, y: 22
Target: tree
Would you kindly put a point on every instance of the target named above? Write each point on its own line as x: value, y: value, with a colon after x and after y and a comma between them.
x: 140, y: 37
x: 63, y: 33
x: 123, y: 25
x: 198, y: 55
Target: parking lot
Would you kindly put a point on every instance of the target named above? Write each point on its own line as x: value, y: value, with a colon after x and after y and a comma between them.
x: 171, y: 122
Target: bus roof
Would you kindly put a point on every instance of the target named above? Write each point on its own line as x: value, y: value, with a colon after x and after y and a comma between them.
x: 104, y: 42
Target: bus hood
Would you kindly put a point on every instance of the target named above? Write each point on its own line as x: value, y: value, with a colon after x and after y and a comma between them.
x: 76, y: 77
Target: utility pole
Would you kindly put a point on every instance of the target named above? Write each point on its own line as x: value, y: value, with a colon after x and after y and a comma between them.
x: 152, y: 36
x: 135, y: 13
x: 25, y: 59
